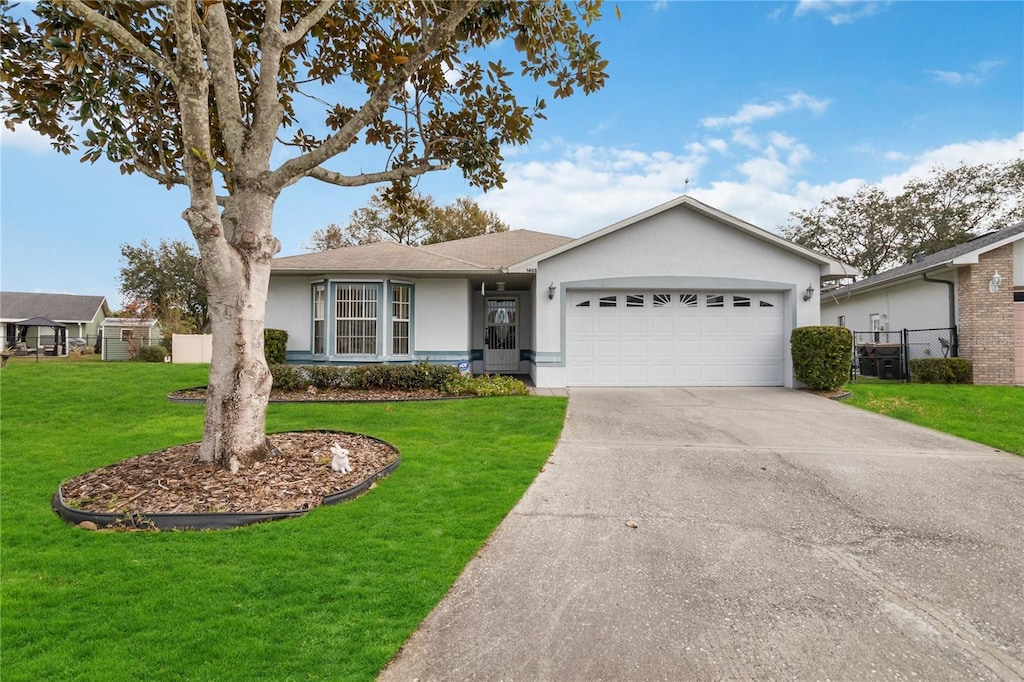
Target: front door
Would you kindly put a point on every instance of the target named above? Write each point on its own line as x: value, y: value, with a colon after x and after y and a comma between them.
x: 501, y: 335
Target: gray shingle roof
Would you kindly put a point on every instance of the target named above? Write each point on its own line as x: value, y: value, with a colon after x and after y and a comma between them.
x: 933, y: 261
x: 16, y: 306
x: 486, y: 253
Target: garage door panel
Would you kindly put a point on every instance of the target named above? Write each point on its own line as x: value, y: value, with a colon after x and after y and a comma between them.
x: 674, y: 338
x: 662, y: 349
x: 608, y: 324
x: 634, y: 326
x: 714, y: 324
x: 659, y: 324
x: 635, y: 349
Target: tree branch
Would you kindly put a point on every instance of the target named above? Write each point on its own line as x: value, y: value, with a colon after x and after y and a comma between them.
x: 225, y: 84
x: 362, y: 179
x: 307, y: 22
x: 121, y: 35
x: 301, y: 166
x: 267, y: 112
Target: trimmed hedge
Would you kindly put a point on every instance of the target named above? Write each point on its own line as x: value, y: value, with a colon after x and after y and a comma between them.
x: 421, y: 376
x: 362, y: 377
x: 939, y: 370
x: 822, y: 356
x: 275, y: 341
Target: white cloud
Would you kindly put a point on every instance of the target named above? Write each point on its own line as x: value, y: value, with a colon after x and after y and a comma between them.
x: 587, y: 188
x: 838, y: 12
x: 750, y: 113
x: 718, y: 144
x: 979, y: 74
x: 744, y: 136
x: 24, y: 137
x: 953, y: 155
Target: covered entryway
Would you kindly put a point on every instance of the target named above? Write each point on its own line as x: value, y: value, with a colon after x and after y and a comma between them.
x: 675, y: 338
x: 501, y: 334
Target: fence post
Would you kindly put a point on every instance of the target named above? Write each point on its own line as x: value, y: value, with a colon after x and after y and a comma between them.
x: 905, y: 359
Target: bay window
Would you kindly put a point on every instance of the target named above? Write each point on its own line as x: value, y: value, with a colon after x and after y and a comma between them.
x: 356, y: 319
x: 401, y: 308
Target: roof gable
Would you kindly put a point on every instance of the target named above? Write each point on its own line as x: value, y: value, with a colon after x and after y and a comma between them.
x: 17, y: 305
x: 829, y: 266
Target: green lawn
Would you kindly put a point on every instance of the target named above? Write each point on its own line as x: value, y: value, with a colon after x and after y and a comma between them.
x: 992, y: 415
x: 330, y: 596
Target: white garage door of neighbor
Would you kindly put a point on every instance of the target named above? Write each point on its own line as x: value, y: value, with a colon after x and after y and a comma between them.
x: 674, y: 338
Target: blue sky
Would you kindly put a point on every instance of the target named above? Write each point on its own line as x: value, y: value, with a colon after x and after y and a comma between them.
x: 765, y: 107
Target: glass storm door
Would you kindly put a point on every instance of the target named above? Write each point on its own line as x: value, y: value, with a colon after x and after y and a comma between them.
x: 501, y: 335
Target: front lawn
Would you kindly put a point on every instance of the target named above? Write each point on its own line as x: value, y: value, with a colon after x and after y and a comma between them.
x: 987, y: 414
x: 332, y: 595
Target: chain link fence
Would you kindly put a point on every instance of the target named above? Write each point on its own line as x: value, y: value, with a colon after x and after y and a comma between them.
x: 887, y: 354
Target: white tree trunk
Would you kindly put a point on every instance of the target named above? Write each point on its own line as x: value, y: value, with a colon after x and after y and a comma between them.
x: 238, y: 276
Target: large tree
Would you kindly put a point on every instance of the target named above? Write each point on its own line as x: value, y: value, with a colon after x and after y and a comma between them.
x: 213, y: 94
x: 409, y: 219
x: 168, y: 280
x: 875, y: 231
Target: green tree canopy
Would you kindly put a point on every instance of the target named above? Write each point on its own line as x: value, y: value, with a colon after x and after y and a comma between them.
x: 167, y: 280
x: 876, y: 231
x: 412, y: 219
x: 240, y: 100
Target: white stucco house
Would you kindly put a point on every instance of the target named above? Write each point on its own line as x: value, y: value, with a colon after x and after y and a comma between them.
x: 975, y: 289
x: 680, y: 295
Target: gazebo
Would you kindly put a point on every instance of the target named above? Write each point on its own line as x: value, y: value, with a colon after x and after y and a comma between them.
x: 58, y: 340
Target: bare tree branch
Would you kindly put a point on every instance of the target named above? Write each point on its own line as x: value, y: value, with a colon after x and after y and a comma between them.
x: 362, y: 179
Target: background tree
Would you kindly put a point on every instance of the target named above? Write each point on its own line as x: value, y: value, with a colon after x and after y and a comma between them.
x: 169, y: 278
x: 461, y: 219
x: 204, y: 94
x: 874, y: 231
x: 413, y: 220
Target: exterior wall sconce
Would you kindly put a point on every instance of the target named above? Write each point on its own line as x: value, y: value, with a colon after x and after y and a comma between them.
x: 995, y: 283
x: 551, y: 291
x: 809, y: 292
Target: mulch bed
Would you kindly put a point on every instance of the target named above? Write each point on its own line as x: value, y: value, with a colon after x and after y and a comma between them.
x: 297, y: 475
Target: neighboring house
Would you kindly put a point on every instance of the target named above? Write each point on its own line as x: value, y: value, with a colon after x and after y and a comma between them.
x: 976, y: 288
x: 680, y: 295
x: 123, y: 334
x: 80, y: 315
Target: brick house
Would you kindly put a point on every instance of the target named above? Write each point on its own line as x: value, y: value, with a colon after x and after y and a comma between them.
x: 976, y: 287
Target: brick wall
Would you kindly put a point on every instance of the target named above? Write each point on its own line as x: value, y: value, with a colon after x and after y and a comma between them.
x: 986, y: 319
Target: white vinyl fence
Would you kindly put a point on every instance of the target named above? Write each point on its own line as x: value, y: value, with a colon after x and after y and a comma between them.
x: 190, y: 349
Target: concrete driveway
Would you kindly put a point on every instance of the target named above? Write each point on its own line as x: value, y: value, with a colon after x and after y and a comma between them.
x: 778, y: 535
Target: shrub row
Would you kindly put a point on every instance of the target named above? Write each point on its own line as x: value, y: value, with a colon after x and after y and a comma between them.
x: 421, y: 376
x: 363, y: 377
x: 821, y: 356
x: 939, y: 370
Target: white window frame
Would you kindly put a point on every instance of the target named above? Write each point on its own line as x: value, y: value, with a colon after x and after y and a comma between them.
x: 357, y: 318
x: 319, y: 315
x: 401, y: 319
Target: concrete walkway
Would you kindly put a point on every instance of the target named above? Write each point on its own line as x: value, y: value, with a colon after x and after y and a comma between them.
x: 778, y: 535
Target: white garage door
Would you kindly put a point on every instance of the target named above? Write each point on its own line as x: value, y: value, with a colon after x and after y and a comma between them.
x: 674, y: 338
